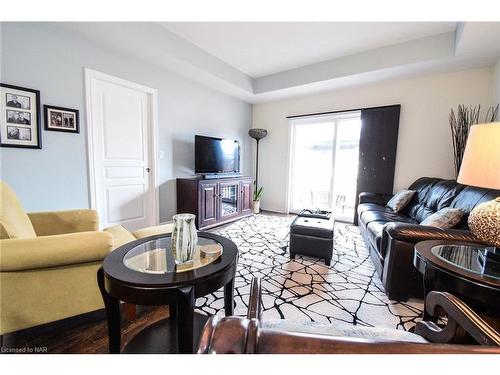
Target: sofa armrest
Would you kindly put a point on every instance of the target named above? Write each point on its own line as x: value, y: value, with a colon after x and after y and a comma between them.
x: 381, y: 199
x: 54, y: 251
x: 62, y: 222
x: 154, y: 230
x: 414, y: 233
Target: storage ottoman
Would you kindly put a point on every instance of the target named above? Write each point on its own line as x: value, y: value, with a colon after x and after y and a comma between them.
x: 312, y: 237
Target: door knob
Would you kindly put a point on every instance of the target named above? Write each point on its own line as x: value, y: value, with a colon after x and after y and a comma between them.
x: 148, y: 170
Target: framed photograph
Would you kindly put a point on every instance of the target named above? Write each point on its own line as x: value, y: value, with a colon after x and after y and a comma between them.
x: 19, y: 117
x: 61, y: 119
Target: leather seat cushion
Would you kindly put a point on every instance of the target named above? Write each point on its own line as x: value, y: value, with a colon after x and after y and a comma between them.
x: 384, y: 216
x: 312, y: 227
x: 342, y: 330
x: 372, y: 207
x: 374, y: 231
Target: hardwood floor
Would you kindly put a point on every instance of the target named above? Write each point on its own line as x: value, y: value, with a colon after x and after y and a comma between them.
x: 85, y: 334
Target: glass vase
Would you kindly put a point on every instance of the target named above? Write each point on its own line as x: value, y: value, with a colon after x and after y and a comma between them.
x: 184, y: 238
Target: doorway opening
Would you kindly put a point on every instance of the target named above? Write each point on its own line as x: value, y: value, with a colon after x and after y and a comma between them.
x: 324, y: 155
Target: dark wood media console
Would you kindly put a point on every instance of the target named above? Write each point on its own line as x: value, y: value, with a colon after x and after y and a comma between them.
x: 215, y: 201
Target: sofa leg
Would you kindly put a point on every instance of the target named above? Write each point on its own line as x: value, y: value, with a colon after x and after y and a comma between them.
x: 292, y: 256
x: 328, y: 261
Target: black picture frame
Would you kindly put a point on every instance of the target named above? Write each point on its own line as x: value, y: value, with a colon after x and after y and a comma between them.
x: 49, y: 109
x: 33, y: 110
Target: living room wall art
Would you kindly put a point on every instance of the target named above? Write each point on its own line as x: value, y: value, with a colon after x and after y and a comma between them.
x: 61, y: 119
x: 19, y: 117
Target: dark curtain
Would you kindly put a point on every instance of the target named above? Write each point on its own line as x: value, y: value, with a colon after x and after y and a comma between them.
x: 377, y: 150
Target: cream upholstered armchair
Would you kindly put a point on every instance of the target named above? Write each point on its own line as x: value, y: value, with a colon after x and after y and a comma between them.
x: 48, y: 264
x: 49, y: 261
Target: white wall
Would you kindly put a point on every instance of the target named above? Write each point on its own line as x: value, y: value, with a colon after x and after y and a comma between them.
x: 497, y: 82
x: 51, y: 59
x: 424, y: 145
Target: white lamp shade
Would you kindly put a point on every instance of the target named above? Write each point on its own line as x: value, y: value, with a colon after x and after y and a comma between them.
x: 481, y: 163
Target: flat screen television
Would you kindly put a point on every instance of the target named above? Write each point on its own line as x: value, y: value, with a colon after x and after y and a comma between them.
x: 216, y: 155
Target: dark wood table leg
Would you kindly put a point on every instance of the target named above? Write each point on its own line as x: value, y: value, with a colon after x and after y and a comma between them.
x: 185, y: 316
x: 229, y: 298
x: 112, y: 306
x: 429, y: 286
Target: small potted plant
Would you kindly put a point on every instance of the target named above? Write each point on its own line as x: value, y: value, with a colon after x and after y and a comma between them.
x: 257, y: 193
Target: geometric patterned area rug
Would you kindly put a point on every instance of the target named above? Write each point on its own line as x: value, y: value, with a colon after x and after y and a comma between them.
x: 305, y: 289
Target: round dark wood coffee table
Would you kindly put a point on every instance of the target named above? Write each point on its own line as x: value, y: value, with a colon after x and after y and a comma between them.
x: 143, y: 272
x: 454, y: 267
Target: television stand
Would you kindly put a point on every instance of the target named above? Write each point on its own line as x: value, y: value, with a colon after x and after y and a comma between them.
x: 216, y: 176
x: 215, y: 201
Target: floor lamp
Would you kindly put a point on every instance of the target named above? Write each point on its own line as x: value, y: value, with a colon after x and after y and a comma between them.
x: 257, y: 134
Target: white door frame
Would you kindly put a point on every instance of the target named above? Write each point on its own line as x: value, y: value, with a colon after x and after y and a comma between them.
x: 90, y: 74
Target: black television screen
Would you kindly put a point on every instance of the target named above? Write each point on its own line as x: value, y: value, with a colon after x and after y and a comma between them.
x: 216, y: 155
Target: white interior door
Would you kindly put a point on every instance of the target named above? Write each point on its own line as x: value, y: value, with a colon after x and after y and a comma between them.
x: 121, y: 117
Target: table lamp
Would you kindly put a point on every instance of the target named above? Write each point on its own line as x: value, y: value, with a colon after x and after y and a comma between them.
x: 481, y: 167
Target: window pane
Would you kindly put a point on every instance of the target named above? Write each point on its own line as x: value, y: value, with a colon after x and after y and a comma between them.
x: 312, y: 167
x: 346, y: 167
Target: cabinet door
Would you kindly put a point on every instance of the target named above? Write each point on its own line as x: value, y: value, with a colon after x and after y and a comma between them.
x: 229, y: 200
x: 208, y: 204
x: 246, y: 197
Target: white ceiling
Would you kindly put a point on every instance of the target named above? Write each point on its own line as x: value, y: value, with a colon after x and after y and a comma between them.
x: 263, y: 48
x: 259, y: 62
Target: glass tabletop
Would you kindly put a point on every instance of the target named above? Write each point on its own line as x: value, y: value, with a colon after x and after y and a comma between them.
x: 469, y: 258
x: 156, y: 257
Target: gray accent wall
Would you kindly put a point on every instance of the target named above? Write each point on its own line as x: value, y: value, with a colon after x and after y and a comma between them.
x: 51, y: 59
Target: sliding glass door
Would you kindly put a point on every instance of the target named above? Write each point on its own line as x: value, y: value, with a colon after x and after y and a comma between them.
x: 324, y: 163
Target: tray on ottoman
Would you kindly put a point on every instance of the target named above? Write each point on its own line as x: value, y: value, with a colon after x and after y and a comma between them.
x: 312, y: 237
x: 317, y: 214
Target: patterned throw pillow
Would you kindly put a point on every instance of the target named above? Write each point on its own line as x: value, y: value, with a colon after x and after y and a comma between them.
x: 400, y: 200
x: 445, y: 218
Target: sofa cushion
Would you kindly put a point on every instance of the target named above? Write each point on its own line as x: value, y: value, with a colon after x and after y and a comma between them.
x: 399, y: 201
x: 374, y: 231
x: 372, y: 207
x: 468, y: 198
x: 432, y: 194
x: 383, y: 216
x: 373, y: 223
x: 120, y: 235
x: 14, y: 221
x: 445, y: 218
x: 153, y: 231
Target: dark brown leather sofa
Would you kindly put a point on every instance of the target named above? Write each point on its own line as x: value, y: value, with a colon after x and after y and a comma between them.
x: 391, y: 236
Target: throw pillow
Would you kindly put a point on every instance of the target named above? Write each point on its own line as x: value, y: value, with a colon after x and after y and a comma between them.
x: 445, y: 218
x: 400, y: 200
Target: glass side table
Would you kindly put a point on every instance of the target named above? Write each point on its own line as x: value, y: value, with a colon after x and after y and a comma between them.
x: 456, y: 267
x: 144, y: 272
